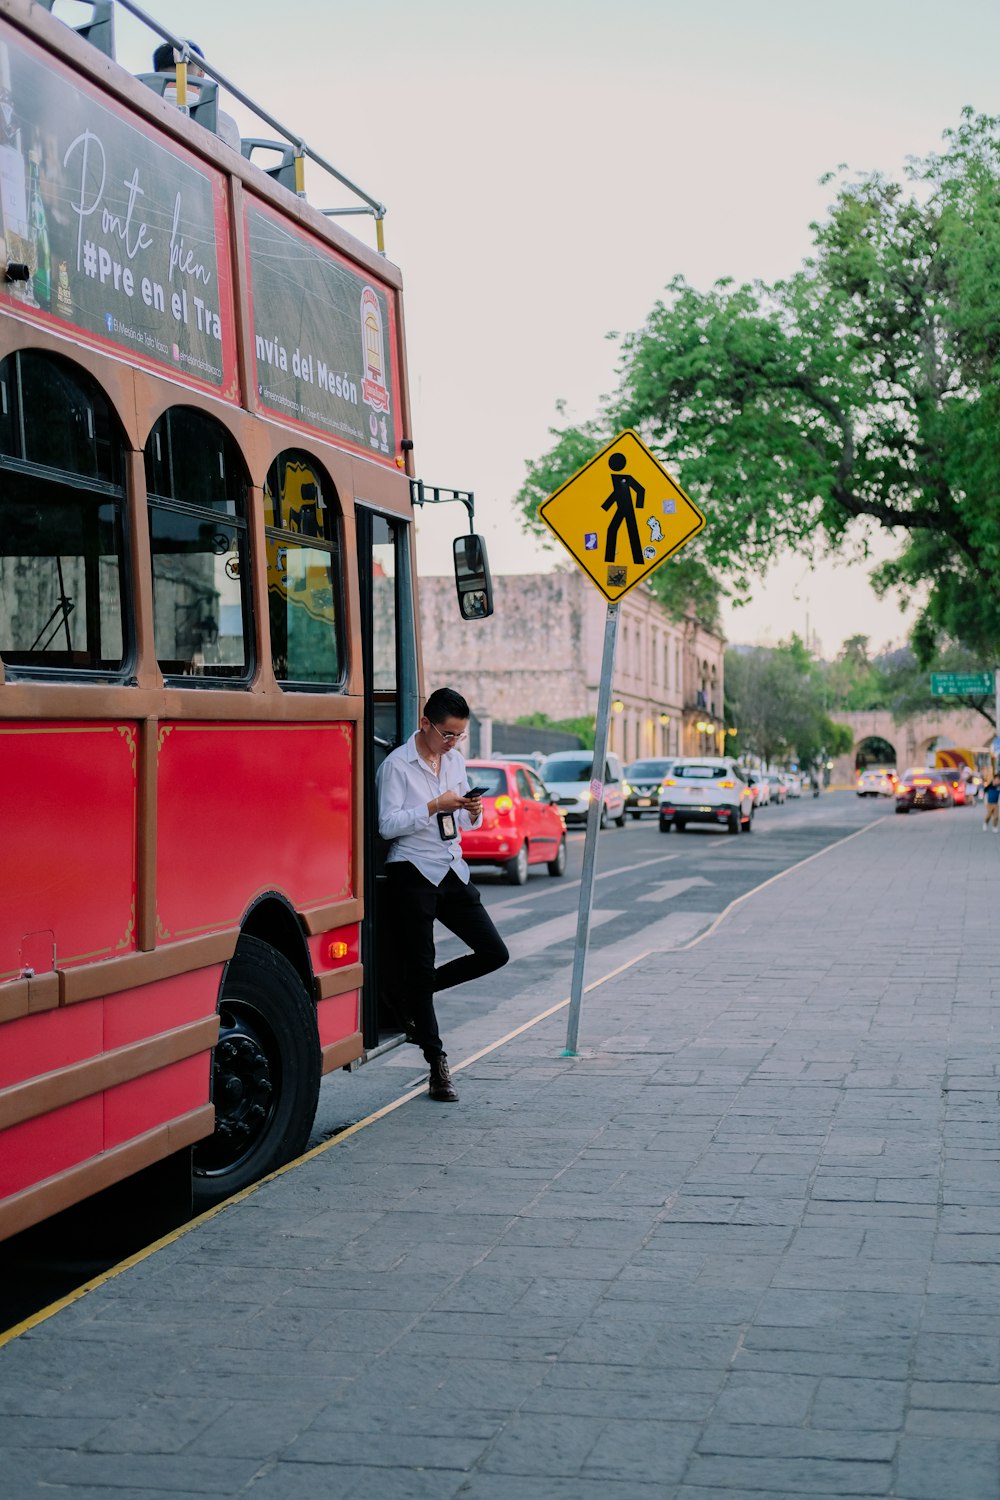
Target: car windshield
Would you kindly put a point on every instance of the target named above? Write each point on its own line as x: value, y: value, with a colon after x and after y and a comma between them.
x: 490, y: 777
x: 702, y: 772
x: 568, y: 770
x: 642, y: 769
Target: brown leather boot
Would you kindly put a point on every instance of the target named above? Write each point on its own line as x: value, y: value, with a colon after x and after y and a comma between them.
x: 441, y: 1087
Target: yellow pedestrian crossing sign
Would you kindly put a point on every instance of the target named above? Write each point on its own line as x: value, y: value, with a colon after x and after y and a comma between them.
x: 621, y: 516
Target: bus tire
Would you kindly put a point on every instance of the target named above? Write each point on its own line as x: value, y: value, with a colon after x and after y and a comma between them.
x: 265, y: 1074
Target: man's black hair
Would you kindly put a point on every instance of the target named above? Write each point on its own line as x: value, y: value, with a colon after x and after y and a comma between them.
x: 445, y: 703
x: 164, y: 60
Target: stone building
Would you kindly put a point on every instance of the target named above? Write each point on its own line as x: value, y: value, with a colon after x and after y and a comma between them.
x: 541, y: 653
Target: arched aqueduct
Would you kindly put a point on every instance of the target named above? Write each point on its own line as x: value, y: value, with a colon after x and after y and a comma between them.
x: 913, y: 741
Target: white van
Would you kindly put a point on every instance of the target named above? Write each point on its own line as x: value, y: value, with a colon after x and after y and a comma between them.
x: 568, y: 773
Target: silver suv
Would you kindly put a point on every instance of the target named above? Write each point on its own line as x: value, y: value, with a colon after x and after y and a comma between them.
x: 568, y: 774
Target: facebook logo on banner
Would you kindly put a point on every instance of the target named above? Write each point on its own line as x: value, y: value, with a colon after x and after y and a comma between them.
x: 590, y: 541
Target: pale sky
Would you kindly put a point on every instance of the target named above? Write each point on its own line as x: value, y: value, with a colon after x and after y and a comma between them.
x: 549, y: 165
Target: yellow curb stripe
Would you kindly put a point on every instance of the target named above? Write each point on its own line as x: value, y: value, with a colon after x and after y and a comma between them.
x: 203, y: 1218
x: 176, y: 1234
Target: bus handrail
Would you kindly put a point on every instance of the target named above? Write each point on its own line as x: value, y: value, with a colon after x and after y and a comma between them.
x: 374, y: 207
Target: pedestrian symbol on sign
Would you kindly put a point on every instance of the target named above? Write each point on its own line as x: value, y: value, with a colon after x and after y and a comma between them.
x: 622, y: 488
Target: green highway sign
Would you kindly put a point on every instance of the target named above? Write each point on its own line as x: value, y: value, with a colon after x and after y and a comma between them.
x: 961, y: 684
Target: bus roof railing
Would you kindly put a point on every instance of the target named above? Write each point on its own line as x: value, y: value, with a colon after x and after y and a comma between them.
x: 100, y: 31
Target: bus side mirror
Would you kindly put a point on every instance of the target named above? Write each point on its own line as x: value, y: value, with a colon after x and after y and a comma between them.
x: 472, y: 578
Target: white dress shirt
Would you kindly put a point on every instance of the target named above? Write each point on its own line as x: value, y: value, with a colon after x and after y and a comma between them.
x: 406, y: 784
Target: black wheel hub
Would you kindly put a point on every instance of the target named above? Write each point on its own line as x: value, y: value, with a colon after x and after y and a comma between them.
x: 242, y: 1090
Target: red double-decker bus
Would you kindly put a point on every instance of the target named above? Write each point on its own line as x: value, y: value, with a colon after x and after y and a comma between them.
x: 207, y: 628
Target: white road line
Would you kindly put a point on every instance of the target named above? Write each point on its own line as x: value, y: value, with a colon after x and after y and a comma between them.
x: 670, y: 888
x: 533, y: 939
x: 525, y: 903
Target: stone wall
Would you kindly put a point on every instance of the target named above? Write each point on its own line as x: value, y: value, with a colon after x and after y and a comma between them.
x: 541, y: 653
x: 528, y: 657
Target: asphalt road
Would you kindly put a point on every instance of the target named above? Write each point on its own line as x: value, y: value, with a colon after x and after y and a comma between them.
x: 651, y: 891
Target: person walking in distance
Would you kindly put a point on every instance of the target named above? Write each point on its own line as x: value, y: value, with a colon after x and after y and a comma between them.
x: 992, y: 804
x: 423, y: 804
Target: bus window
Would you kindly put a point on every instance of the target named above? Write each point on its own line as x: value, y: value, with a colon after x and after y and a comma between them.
x: 303, y: 572
x: 197, y: 490
x: 385, y: 644
x: 62, y: 526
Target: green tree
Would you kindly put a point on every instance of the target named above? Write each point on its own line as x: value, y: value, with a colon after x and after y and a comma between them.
x: 905, y: 685
x: 863, y: 392
x: 585, y: 727
x: 776, y: 699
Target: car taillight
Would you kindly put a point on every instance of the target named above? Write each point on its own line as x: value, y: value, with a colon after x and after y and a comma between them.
x: 942, y: 787
x: 503, y: 804
x: 668, y: 781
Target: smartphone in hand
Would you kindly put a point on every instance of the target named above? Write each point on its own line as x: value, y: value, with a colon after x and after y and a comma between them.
x: 476, y: 791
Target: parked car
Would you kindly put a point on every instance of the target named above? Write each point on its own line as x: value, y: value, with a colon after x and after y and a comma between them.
x: 642, y: 785
x: 961, y: 791
x: 877, y: 783
x: 533, y: 758
x: 922, y: 787
x: 521, y: 825
x: 760, y: 786
x: 706, y: 789
x: 568, y: 774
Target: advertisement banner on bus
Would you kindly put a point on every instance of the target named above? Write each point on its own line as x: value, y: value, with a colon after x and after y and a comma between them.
x: 324, y: 338
x: 118, y: 233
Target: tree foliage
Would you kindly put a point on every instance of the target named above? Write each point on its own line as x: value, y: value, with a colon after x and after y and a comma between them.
x: 776, y: 699
x: 863, y: 392
x: 584, y: 727
x: 899, y: 682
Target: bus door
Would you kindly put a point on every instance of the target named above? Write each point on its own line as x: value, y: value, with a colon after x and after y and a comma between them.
x: 391, y: 709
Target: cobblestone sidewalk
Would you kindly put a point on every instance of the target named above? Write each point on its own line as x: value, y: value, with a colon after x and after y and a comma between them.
x: 746, y: 1244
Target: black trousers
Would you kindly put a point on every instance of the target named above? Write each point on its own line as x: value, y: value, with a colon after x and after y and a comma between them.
x: 416, y: 903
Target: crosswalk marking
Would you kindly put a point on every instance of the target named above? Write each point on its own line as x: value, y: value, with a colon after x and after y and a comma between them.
x: 670, y: 888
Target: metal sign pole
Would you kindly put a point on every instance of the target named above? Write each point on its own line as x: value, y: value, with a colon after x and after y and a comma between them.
x: 593, y: 825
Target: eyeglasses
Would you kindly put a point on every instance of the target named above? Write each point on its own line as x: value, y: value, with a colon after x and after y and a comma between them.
x: 449, y: 734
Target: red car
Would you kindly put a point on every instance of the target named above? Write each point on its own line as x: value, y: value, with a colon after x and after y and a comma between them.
x: 922, y: 787
x: 521, y: 825
x: 959, y: 790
